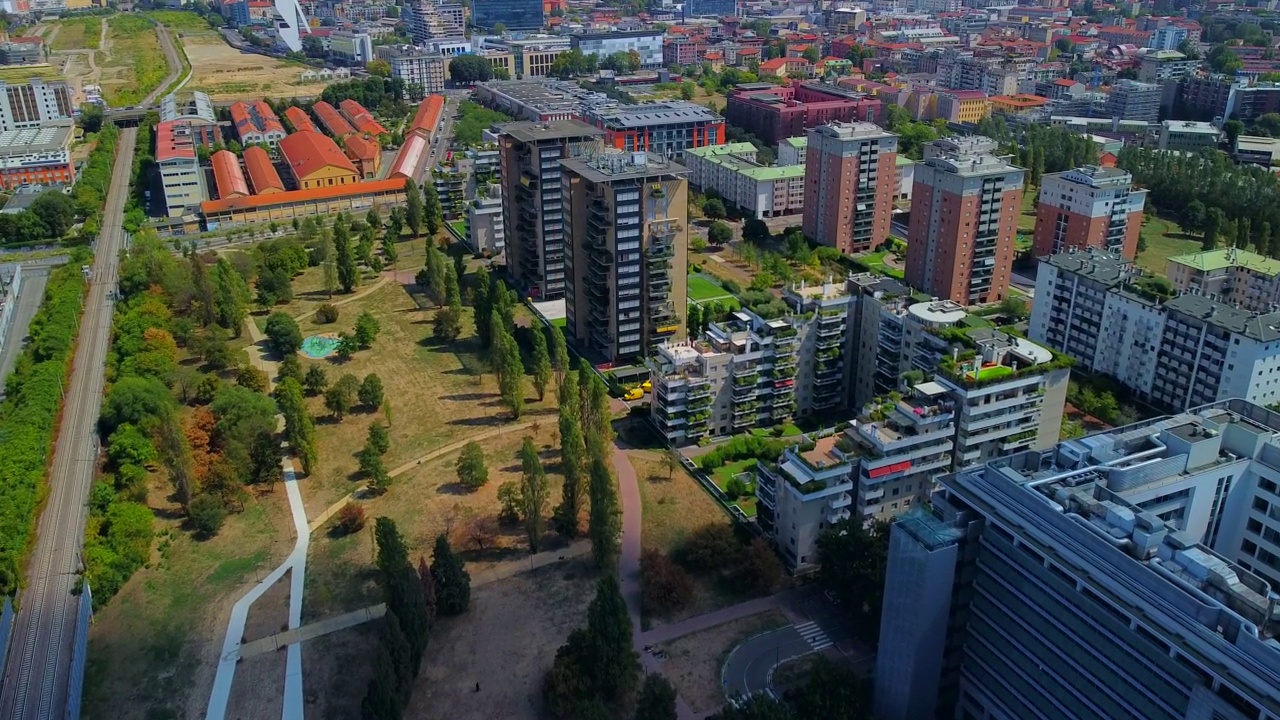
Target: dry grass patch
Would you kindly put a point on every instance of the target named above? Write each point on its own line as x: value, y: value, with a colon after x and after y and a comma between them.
x: 258, y: 688
x: 168, y: 622
x: 425, y: 502
x: 83, y: 33
x: 506, y: 641
x: 228, y: 74
x: 336, y: 669
x: 673, y: 507
x: 694, y: 661
x: 133, y: 64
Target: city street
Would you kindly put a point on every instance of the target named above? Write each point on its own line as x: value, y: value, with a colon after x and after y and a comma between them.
x: 29, y: 297
x: 38, y: 671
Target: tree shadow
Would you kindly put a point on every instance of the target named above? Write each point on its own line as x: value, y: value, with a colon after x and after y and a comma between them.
x: 467, y: 397
x: 491, y: 421
x: 455, y: 488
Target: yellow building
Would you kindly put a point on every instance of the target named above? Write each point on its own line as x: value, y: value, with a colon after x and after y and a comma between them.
x: 537, y: 63
x: 316, y: 162
x: 501, y: 60
x: 966, y: 106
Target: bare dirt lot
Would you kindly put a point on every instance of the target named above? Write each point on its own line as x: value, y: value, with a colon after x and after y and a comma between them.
x: 228, y: 74
x: 506, y: 642
x: 336, y: 669
x: 694, y: 661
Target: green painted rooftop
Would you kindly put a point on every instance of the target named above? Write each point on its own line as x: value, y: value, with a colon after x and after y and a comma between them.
x: 797, y: 142
x: 709, y: 151
x: 1226, y: 258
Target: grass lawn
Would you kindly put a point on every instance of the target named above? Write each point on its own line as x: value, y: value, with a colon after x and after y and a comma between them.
x: 1164, y: 239
x: 788, y: 430
x: 672, y: 508
x: 460, y: 227
x: 83, y: 33
x: 187, y: 23
x: 1027, y: 218
x: 875, y: 261
x: 23, y: 73
x: 702, y: 289
x: 725, y: 472
x: 134, y: 64
x: 167, y: 623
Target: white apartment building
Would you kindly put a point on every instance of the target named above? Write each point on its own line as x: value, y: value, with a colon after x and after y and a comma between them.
x: 1174, y: 351
x: 739, y: 375
x: 180, y: 174
x: 34, y: 103
x: 793, y: 151
x: 757, y: 190
x: 801, y: 495
x: 486, y: 233
x: 423, y: 72
x: 351, y: 46
x: 1237, y: 277
x: 429, y: 20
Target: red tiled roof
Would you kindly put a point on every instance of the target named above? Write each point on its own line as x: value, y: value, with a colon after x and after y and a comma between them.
x: 774, y: 64
x: 228, y: 176
x: 254, y: 117
x: 1064, y: 82
x: 262, y: 173
x: 332, y: 121
x: 308, y: 152
x: 171, y: 146
x: 361, y: 148
x: 299, y: 119
x: 428, y: 114
x: 361, y: 118
x: 292, y: 196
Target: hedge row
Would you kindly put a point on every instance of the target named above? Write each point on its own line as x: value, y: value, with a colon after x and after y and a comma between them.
x: 28, y: 417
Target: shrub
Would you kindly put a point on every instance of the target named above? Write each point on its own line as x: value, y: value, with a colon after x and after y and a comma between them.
x: 761, y: 569
x: 351, y: 518
x: 665, y: 586
x: 736, y: 488
x: 206, y: 513
x: 712, y: 547
x: 326, y: 314
x: 741, y: 448
x: 283, y: 333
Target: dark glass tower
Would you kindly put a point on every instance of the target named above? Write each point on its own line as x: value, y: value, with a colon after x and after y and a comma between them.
x: 514, y: 14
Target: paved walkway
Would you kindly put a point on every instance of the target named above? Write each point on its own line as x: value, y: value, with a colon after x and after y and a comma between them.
x: 382, y: 280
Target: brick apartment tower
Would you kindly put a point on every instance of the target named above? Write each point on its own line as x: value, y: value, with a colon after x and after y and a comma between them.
x: 529, y: 155
x: 627, y: 226
x: 850, y: 182
x: 964, y: 221
x: 1089, y: 207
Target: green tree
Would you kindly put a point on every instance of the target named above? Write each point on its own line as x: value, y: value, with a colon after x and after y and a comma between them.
x: 378, y: 439
x: 290, y: 367
x: 432, y: 212
x: 541, y: 363
x: 206, y: 513
x: 345, y: 256
x: 604, y: 527
x: 283, y: 333
x: 472, y: 471
x: 533, y: 493
x: 559, y: 355
x: 719, y: 233
x: 482, y: 303
x: 714, y: 209
x: 413, y: 207
x: 573, y: 453
x: 329, y: 265
x: 316, y: 381
x: 367, y: 328
x: 853, y: 562
x: 437, y: 274
x: 470, y: 69
x: 299, y: 427
x: 657, y: 699
x: 371, y: 392
x: 452, y: 581
x: 341, y: 396
x: 231, y: 297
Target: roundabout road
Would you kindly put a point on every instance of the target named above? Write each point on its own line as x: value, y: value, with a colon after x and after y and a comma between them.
x: 748, y: 666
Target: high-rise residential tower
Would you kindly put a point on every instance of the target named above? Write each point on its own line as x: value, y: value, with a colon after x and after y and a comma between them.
x: 530, y: 155
x: 1089, y: 207
x: 964, y: 222
x: 850, y: 178
x: 626, y: 222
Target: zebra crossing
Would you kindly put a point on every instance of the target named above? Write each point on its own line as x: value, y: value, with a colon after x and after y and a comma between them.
x: 814, y: 635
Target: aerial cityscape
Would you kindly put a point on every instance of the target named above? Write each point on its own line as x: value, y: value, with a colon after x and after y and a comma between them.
x: 613, y: 359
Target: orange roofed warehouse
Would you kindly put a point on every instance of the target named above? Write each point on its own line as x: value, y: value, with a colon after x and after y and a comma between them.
x: 362, y: 119
x: 228, y: 176
x: 262, y: 173
x: 332, y: 120
x: 316, y: 162
x: 299, y: 119
x: 285, y: 206
x: 365, y: 154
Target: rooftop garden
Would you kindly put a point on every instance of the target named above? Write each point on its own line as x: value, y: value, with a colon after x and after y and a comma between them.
x: 1153, y: 288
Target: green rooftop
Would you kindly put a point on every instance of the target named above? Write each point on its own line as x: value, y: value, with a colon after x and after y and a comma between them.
x: 1228, y: 258
x: 730, y: 156
x: 710, y: 151
x: 797, y: 142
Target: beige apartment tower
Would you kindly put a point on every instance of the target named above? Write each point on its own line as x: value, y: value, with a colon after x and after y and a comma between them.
x: 626, y: 226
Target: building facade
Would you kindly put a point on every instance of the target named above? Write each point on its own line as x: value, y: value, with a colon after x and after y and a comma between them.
x: 180, y: 175
x: 627, y: 227
x: 1089, y: 207
x: 423, y: 72
x: 659, y: 128
x: 1133, y: 100
x: 774, y: 113
x: 849, y: 187
x: 964, y: 221
x: 1173, y: 351
x: 647, y: 44
x: 34, y: 103
x: 533, y: 207
x: 1237, y: 277
x: 37, y: 156
x: 512, y: 14
x: 1050, y: 584
x: 733, y: 172
x: 256, y: 123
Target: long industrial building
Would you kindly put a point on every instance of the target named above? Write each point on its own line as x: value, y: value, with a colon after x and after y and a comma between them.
x: 285, y: 206
x: 331, y: 120
x: 37, y: 156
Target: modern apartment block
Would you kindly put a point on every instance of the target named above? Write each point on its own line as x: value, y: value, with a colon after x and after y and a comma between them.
x: 485, y: 232
x: 31, y: 104
x: 532, y: 204
x: 774, y: 113
x: 514, y: 14
x: 659, y: 128
x: 757, y: 190
x: 1133, y: 100
x: 964, y: 222
x: 429, y: 20
x: 802, y: 494
x: 1089, y: 207
x: 850, y: 183
x: 826, y: 351
x: 422, y: 71
x: 1128, y: 574
x: 1173, y: 351
x: 627, y: 229
x: 1237, y: 277
x: 180, y: 174
x: 739, y: 375
x: 647, y: 44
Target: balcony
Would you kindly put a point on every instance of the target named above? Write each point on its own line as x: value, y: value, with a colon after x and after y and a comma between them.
x: 665, y: 227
